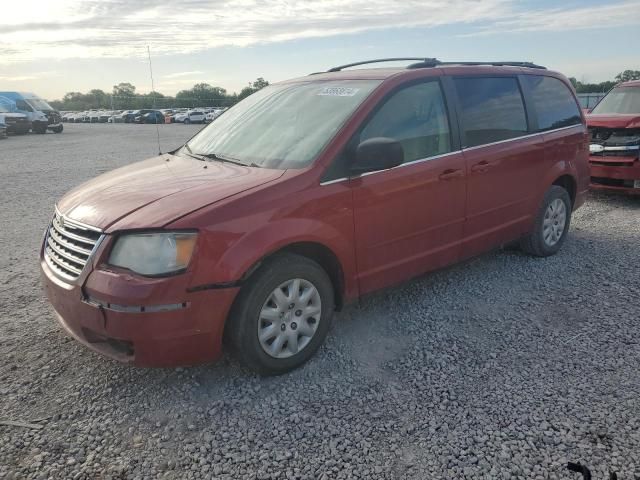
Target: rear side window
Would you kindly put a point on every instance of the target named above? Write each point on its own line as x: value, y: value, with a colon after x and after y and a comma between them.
x: 492, y: 109
x: 553, y: 102
x: 416, y: 117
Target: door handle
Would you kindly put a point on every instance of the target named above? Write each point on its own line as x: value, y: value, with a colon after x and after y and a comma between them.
x: 450, y: 174
x: 482, y: 166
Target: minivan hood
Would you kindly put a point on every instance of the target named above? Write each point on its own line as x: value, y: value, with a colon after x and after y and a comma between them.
x: 614, y: 121
x: 154, y: 192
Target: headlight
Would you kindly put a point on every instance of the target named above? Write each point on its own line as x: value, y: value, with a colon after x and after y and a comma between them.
x: 153, y: 253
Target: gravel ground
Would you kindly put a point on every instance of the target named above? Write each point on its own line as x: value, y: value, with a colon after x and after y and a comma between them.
x: 502, y: 367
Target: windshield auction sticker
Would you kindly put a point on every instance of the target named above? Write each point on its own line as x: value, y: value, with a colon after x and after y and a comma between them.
x: 338, y: 91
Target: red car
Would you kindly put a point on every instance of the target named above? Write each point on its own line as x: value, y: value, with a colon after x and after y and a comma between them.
x: 307, y: 195
x: 614, y: 125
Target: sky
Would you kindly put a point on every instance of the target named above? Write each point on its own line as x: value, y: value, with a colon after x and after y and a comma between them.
x: 54, y: 47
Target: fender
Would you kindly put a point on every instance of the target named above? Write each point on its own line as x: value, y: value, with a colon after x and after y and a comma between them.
x: 249, y: 249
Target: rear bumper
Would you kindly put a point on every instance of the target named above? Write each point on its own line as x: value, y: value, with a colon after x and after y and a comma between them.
x: 618, y: 177
x: 156, y: 324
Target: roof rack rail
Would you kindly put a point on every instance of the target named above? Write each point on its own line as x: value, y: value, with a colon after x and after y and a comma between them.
x: 429, y: 63
x: 424, y: 62
x: 380, y: 60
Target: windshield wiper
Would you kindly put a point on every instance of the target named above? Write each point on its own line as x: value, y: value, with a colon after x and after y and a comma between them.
x: 191, y: 154
x: 220, y: 158
x: 217, y: 156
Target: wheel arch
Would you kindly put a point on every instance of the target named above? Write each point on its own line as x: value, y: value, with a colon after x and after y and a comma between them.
x: 317, y: 252
x: 568, y: 182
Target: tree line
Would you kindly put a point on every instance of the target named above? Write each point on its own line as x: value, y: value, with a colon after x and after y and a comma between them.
x: 604, y: 87
x: 124, y: 97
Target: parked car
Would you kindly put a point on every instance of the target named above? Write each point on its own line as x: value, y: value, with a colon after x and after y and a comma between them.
x: 41, y: 115
x: 270, y: 218
x: 614, y: 125
x: 215, y: 113
x: 130, y: 115
x: 151, y: 117
x: 14, y: 121
x: 192, y: 116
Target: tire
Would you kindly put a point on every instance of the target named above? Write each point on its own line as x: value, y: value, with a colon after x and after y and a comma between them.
x: 186, y: 121
x: 549, y: 233
x: 57, y: 129
x: 258, y: 298
x: 40, y: 130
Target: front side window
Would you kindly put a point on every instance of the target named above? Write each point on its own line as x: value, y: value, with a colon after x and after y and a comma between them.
x: 620, y: 100
x: 416, y: 117
x: 553, y: 102
x: 23, y: 106
x: 492, y: 109
x: 282, y: 126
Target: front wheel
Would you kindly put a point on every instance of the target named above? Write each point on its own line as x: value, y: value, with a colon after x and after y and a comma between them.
x: 186, y: 121
x: 551, y: 224
x: 282, y: 315
x: 40, y: 129
x: 57, y: 129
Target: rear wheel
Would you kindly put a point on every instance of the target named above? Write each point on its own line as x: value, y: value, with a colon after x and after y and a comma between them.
x: 187, y: 121
x: 551, y: 224
x: 282, y: 314
x: 58, y: 129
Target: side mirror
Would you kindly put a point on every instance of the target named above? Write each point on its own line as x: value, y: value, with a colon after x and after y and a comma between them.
x: 378, y: 153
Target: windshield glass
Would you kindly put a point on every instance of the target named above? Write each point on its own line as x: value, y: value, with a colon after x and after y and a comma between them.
x: 38, y: 104
x: 620, y: 100
x: 282, y: 126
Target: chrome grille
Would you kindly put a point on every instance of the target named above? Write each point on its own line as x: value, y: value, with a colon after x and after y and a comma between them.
x: 68, y: 246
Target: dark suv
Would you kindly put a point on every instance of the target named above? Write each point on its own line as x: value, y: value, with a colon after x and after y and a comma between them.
x: 307, y: 195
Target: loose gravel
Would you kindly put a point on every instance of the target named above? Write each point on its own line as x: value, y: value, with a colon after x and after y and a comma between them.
x: 503, y: 367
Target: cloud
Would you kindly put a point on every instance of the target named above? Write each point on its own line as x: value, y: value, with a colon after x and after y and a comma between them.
x: 17, y: 78
x: 183, y: 74
x: 620, y: 14
x: 122, y: 28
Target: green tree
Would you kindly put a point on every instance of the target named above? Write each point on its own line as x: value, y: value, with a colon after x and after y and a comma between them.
x: 252, y: 88
x: 201, y: 95
x: 124, y: 95
x: 628, y: 75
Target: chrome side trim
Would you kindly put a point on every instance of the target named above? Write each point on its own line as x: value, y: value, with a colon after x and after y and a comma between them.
x: 412, y: 162
x: 520, y: 138
x: 337, y: 180
x: 435, y: 157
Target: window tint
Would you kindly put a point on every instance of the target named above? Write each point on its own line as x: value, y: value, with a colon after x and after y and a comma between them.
x: 416, y: 117
x: 492, y: 109
x: 553, y: 102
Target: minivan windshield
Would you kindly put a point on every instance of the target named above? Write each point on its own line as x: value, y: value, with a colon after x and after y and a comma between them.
x: 620, y: 100
x: 282, y: 126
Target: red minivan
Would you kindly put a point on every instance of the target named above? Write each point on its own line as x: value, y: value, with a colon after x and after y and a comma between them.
x: 307, y: 195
